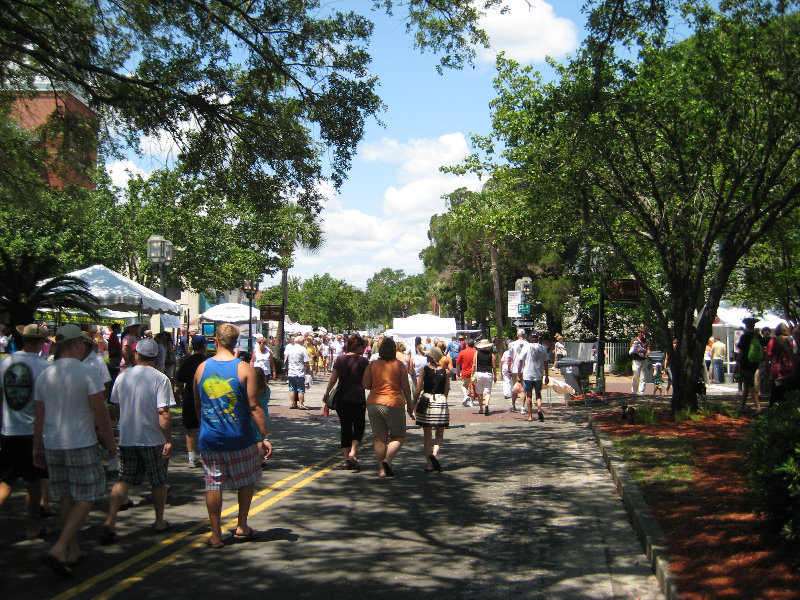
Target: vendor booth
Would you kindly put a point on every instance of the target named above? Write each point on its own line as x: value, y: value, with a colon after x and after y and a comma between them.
x: 728, y: 327
x: 425, y: 326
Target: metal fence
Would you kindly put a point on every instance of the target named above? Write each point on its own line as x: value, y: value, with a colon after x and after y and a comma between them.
x: 583, y: 351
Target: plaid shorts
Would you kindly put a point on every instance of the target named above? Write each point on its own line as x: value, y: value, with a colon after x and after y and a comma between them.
x: 76, y: 473
x: 232, y: 469
x: 138, y: 461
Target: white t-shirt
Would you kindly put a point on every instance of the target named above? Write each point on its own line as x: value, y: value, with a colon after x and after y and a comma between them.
x: 99, y: 367
x: 420, y: 360
x: 18, y: 375
x: 515, y: 348
x: 140, y: 391
x: 64, y: 389
x: 504, y: 362
x: 534, y: 356
x: 296, y: 358
x: 336, y: 349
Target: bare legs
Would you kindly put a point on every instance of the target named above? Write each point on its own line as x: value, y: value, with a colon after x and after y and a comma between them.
x: 351, y: 451
x: 385, y: 452
x: 73, y: 515
x: 432, y: 446
x: 33, y: 524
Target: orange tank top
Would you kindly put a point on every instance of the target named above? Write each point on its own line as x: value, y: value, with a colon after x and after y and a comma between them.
x: 385, y: 388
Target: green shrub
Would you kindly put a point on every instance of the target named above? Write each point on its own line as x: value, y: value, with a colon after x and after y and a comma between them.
x: 623, y: 365
x: 772, y: 451
x: 646, y: 414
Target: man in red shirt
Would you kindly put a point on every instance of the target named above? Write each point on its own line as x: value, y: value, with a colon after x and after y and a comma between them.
x: 464, y: 366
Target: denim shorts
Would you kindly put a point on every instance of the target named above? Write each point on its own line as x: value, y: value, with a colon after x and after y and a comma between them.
x: 530, y: 385
x: 297, y: 385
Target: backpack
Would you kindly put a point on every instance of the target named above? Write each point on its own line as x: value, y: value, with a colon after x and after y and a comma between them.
x: 756, y: 351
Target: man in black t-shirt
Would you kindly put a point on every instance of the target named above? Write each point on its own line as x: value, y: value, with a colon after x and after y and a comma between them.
x: 185, y: 378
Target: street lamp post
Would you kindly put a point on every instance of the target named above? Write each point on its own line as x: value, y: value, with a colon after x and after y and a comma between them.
x: 250, y: 287
x: 159, y: 251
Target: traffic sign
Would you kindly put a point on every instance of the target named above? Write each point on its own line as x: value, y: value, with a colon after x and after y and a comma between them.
x: 524, y: 308
x: 271, y: 312
x: 524, y: 323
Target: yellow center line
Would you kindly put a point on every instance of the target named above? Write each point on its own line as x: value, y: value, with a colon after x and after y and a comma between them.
x: 100, y: 577
x: 159, y: 564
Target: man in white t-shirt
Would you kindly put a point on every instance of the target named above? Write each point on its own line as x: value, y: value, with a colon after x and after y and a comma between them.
x: 298, y: 364
x: 514, y: 350
x: 144, y: 396
x: 70, y: 417
x: 532, y: 367
x: 18, y: 375
x: 337, y: 347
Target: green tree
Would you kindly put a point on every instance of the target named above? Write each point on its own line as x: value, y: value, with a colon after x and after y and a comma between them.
x: 679, y: 161
x: 330, y: 303
x: 31, y: 281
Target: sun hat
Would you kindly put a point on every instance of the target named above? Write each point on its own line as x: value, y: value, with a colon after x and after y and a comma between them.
x: 34, y: 330
x: 70, y: 331
x: 483, y: 344
x: 148, y: 348
x: 435, y: 354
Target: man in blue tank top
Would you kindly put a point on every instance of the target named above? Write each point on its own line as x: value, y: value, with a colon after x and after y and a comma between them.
x: 226, y: 398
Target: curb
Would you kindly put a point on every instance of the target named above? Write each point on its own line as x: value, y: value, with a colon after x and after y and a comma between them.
x: 647, y: 529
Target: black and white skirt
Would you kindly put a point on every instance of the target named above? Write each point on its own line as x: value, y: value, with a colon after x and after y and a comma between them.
x: 437, y: 413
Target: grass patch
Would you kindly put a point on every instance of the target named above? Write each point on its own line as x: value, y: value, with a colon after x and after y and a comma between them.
x: 660, y: 466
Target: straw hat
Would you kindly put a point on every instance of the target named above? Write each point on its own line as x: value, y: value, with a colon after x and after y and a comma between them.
x: 483, y: 344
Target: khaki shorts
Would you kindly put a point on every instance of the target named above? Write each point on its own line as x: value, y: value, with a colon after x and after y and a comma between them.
x: 387, y: 420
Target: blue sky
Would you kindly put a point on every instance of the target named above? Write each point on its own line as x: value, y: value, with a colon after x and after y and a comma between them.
x: 379, y: 218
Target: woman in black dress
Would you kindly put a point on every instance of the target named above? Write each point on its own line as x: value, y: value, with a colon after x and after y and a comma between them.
x: 348, y: 371
x: 433, y: 384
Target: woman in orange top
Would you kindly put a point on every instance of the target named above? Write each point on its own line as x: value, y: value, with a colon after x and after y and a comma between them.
x: 387, y: 382
x: 446, y: 361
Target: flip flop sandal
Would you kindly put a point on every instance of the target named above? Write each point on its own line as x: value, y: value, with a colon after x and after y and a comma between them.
x: 246, y: 537
x: 167, y: 527
x: 216, y: 545
x: 387, y: 468
x: 352, y: 463
x: 62, y: 569
x: 127, y: 505
x: 42, y: 535
x: 435, y: 462
x: 108, y: 536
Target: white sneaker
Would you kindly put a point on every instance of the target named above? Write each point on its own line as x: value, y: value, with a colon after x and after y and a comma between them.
x: 465, y: 401
x: 195, y: 464
x: 471, y: 404
x: 512, y: 408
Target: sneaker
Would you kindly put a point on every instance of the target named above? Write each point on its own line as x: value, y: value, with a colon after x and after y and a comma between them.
x: 471, y: 404
x: 486, y: 411
x: 541, y: 416
x: 465, y: 401
x: 195, y: 464
x: 512, y: 408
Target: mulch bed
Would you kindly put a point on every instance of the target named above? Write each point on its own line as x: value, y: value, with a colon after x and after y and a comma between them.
x: 718, y: 547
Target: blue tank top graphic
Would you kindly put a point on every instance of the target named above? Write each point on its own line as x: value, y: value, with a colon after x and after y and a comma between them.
x: 225, y: 410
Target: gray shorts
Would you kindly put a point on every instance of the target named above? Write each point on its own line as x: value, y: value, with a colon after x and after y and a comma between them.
x: 387, y: 420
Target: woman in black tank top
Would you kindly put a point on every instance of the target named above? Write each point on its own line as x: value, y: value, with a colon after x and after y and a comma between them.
x: 430, y: 406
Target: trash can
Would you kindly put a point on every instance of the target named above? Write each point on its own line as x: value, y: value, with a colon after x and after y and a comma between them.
x: 656, y: 356
x: 574, y: 371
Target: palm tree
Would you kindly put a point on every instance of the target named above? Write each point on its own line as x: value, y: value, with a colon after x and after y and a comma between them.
x: 29, y: 282
x: 300, y: 230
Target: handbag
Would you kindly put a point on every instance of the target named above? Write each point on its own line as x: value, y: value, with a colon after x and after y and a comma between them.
x: 333, y: 399
x: 423, y: 404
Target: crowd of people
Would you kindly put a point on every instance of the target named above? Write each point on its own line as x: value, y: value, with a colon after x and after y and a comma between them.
x: 63, y: 396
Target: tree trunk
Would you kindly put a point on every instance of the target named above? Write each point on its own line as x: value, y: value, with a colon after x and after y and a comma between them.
x: 498, y: 298
x: 281, y: 342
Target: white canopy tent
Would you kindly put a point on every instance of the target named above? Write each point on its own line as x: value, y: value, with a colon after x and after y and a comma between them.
x: 115, y: 291
x: 422, y: 325
x: 729, y: 328
x: 297, y: 328
x: 230, y: 312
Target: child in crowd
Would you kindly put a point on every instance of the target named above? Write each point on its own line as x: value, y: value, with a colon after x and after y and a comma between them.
x: 658, y: 378
x: 263, y: 400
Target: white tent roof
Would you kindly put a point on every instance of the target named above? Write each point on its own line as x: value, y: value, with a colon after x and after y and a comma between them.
x: 230, y: 312
x: 732, y: 318
x: 297, y: 328
x: 424, y: 325
x: 117, y: 292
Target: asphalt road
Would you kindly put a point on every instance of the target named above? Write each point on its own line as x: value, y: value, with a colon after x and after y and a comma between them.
x: 520, y: 510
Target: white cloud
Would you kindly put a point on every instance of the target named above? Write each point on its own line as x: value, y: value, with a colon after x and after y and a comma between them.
x: 359, y: 244
x: 528, y: 33
x: 121, y: 171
